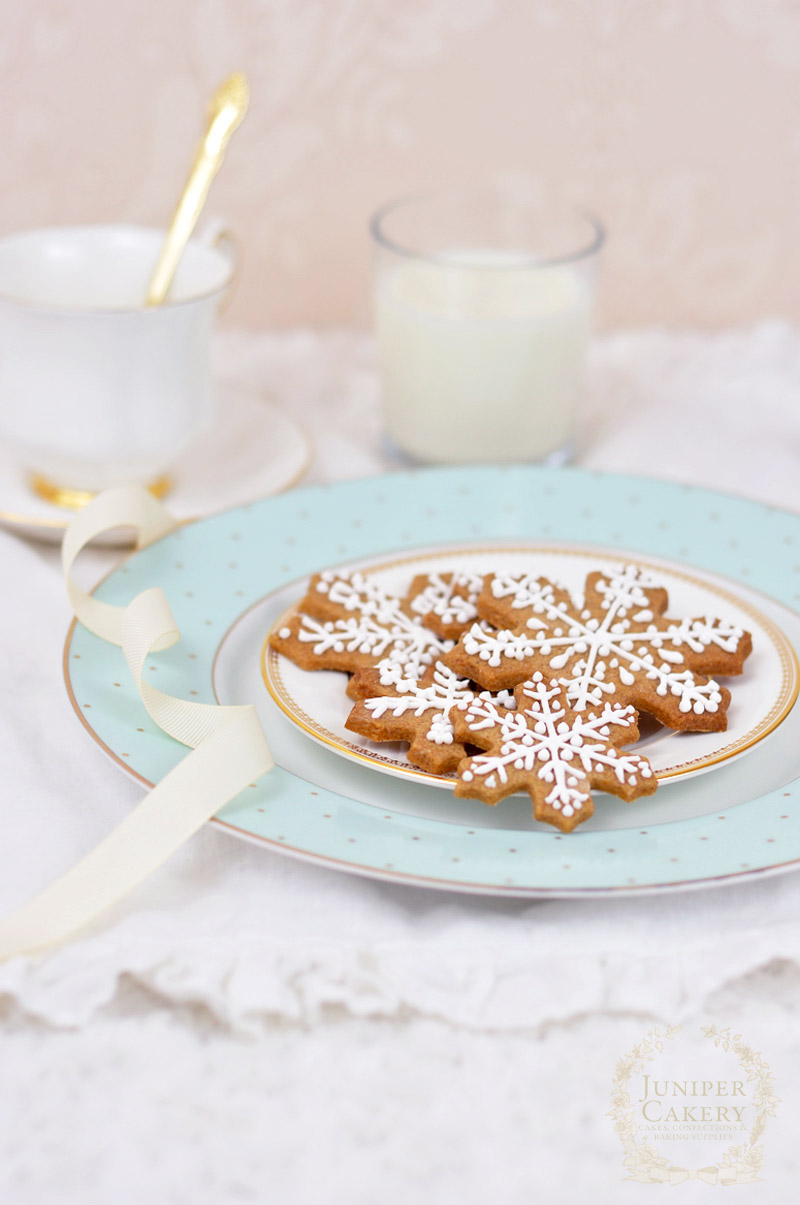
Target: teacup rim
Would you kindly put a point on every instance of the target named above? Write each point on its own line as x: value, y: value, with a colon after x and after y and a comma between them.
x: 39, y: 307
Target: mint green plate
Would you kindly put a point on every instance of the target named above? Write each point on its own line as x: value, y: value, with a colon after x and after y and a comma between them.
x: 228, y: 576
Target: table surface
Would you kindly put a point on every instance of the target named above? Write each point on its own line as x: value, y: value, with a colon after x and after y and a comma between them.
x: 245, y: 1027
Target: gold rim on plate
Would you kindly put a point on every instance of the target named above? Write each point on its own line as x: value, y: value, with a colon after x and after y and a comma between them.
x: 781, y: 706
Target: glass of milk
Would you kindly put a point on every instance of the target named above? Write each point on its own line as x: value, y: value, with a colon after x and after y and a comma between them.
x: 484, y: 304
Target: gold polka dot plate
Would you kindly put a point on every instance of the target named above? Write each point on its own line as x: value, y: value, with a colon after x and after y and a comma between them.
x: 230, y: 577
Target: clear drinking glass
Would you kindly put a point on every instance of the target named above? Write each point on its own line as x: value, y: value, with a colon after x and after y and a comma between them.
x: 484, y: 302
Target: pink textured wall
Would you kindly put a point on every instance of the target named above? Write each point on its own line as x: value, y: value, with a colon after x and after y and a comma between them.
x: 675, y: 120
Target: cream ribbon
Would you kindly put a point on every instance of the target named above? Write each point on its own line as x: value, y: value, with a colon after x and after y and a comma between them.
x: 230, y: 749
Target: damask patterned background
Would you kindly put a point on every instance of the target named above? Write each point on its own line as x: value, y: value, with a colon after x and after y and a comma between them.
x: 678, y: 121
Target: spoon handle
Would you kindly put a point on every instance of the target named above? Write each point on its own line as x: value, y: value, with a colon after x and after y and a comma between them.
x: 227, y: 109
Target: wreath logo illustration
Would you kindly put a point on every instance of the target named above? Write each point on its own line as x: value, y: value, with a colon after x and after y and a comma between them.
x: 644, y: 1163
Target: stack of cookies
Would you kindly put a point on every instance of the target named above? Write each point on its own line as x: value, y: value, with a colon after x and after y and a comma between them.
x: 510, y: 683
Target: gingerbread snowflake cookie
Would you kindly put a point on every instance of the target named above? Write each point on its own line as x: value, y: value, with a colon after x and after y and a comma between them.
x: 396, y: 708
x: 616, y: 645
x: 445, y: 602
x: 348, y: 622
x: 550, y: 750
x: 332, y: 595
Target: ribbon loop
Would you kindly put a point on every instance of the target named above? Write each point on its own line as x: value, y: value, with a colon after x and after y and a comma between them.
x: 229, y: 747
x: 126, y: 506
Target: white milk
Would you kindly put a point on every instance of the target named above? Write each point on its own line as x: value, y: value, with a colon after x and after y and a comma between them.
x: 482, y: 356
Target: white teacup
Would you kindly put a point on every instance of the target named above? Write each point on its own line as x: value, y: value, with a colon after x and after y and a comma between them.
x: 96, y: 389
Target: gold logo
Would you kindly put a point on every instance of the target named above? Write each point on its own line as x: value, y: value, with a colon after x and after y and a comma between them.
x: 703, y: 1098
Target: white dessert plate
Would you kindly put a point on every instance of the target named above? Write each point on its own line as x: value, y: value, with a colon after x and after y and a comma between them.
x: 761, y: 697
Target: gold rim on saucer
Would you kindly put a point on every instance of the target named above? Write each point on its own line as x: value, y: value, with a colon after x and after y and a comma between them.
x: 295, y: 454
x: 75, y: 499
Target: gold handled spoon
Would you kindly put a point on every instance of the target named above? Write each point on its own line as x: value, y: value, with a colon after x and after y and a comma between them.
x: 226, y: 111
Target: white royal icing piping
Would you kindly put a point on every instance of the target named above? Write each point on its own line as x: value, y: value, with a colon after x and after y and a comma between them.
x: 440, y: 696
x: 550, y: 746
x: 608, y: 642
x: 438, y: 597
x: 378, y: 627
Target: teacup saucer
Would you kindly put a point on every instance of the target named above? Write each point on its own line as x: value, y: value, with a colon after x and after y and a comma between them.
x: 253, y: 449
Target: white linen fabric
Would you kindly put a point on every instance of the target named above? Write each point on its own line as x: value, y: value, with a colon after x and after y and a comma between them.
x: 163, y: 1106
x: 250, y: 935
x: 248, y: 1028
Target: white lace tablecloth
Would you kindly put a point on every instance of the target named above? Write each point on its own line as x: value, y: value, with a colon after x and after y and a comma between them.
x: 250, y: 1028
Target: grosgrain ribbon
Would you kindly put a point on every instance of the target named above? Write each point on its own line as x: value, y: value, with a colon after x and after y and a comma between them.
x: 230, y: 749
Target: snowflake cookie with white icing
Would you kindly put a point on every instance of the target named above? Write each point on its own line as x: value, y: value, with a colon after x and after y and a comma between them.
x: 617, y: 645
x: 332, y: 595
x: 397, y: 708
x: 550, y: 750
x: 348, y: 622
x: 445, y: 602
